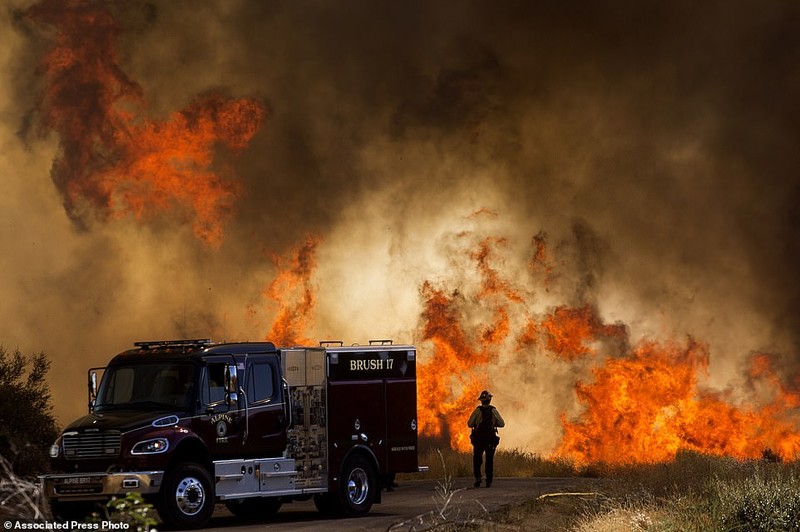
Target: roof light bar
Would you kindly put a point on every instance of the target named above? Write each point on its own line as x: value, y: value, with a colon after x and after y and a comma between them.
x: 199, y: 342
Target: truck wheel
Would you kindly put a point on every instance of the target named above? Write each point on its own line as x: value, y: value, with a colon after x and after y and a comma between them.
x: 186, y: 499
x: 357, y: 486
x: 255, y: 508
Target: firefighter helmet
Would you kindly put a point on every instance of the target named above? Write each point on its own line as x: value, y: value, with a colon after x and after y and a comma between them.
x: 485, y: 396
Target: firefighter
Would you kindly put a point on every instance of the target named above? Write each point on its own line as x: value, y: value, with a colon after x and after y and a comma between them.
x: 484, y: 422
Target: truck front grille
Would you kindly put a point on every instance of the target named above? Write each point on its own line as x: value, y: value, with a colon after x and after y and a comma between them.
x: 91, y: 445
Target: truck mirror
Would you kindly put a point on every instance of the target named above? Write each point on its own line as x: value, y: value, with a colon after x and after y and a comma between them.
x: 231, y: 385
x: 92, y: 389
x: 231, y: 398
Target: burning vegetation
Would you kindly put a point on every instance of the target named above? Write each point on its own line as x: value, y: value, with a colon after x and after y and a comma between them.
x: 640, y: 402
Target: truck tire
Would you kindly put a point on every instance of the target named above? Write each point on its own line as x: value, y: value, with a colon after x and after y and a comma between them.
x: 255, y: 508
x: 358, y: 486
x: 186, y: 499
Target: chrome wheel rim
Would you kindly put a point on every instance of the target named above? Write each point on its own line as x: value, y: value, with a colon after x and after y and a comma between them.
x: 190, y: 496
x: 358, y: 486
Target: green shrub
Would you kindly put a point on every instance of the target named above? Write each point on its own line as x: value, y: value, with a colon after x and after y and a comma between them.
x: 131, y: 510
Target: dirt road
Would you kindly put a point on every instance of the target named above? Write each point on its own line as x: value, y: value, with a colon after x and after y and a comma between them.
x: 404, y: 507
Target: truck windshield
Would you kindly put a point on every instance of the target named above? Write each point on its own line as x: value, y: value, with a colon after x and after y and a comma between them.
x: 146, y: 387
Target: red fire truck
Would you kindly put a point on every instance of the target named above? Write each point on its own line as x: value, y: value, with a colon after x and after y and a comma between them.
x: 189, y: 424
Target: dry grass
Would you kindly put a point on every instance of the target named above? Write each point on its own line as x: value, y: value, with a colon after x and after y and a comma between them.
x: 507, y: 463
x: 19, y: 497
x: 693, y: 492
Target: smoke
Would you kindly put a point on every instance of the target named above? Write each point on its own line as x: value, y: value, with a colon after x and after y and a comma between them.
x: 653, y: 144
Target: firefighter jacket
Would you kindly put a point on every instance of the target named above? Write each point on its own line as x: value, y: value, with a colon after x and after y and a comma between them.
x: 484, y: 421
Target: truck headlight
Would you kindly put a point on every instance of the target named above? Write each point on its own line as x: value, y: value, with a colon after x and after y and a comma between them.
x: 154, y: 446
x: 55, y: 450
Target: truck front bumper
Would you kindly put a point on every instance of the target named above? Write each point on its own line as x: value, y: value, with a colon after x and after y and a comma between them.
x: 95, y: 486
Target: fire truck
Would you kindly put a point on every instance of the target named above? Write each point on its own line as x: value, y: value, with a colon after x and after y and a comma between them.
x: 189, y: 424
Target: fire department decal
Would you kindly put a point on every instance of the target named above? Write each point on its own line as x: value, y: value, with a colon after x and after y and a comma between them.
x: 221, y: 422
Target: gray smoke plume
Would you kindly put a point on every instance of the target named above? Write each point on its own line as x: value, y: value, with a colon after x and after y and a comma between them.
x: 656, y: 143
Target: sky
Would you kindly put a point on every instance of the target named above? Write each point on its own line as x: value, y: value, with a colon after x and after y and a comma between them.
x: 653, y: 143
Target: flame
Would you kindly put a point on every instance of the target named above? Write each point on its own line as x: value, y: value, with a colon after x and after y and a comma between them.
x: 293, y: 291
x: 570, y: 332
x: 115, y: 161
x: 648, y: 406
x: 640, y: 403
x: 491, y: 282
x: 453, y: 376
x: 634, y: 405
x: 448, y: 383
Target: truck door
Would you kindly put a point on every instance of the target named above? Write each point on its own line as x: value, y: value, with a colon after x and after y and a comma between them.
x: 220, y: 423
x: 266, y: 429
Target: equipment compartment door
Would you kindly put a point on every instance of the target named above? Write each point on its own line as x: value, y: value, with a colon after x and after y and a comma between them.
x: 401, y: 425
x: 357, y: 417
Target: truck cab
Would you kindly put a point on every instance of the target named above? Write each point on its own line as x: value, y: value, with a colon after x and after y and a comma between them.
x: 190, y: 423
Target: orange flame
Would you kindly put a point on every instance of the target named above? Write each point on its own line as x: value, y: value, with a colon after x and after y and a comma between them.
x: 446, y: 384
x: 646, y: 407
x: 292, y: 289
x: 570, y: 332
x: 451, y: 379
x: 491, y: 281
x: 115, y: 162
x: 640, y: 404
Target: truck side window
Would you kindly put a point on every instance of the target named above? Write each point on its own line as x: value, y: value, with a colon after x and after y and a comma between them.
x: 260, y: 383
x: 216, y: 383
